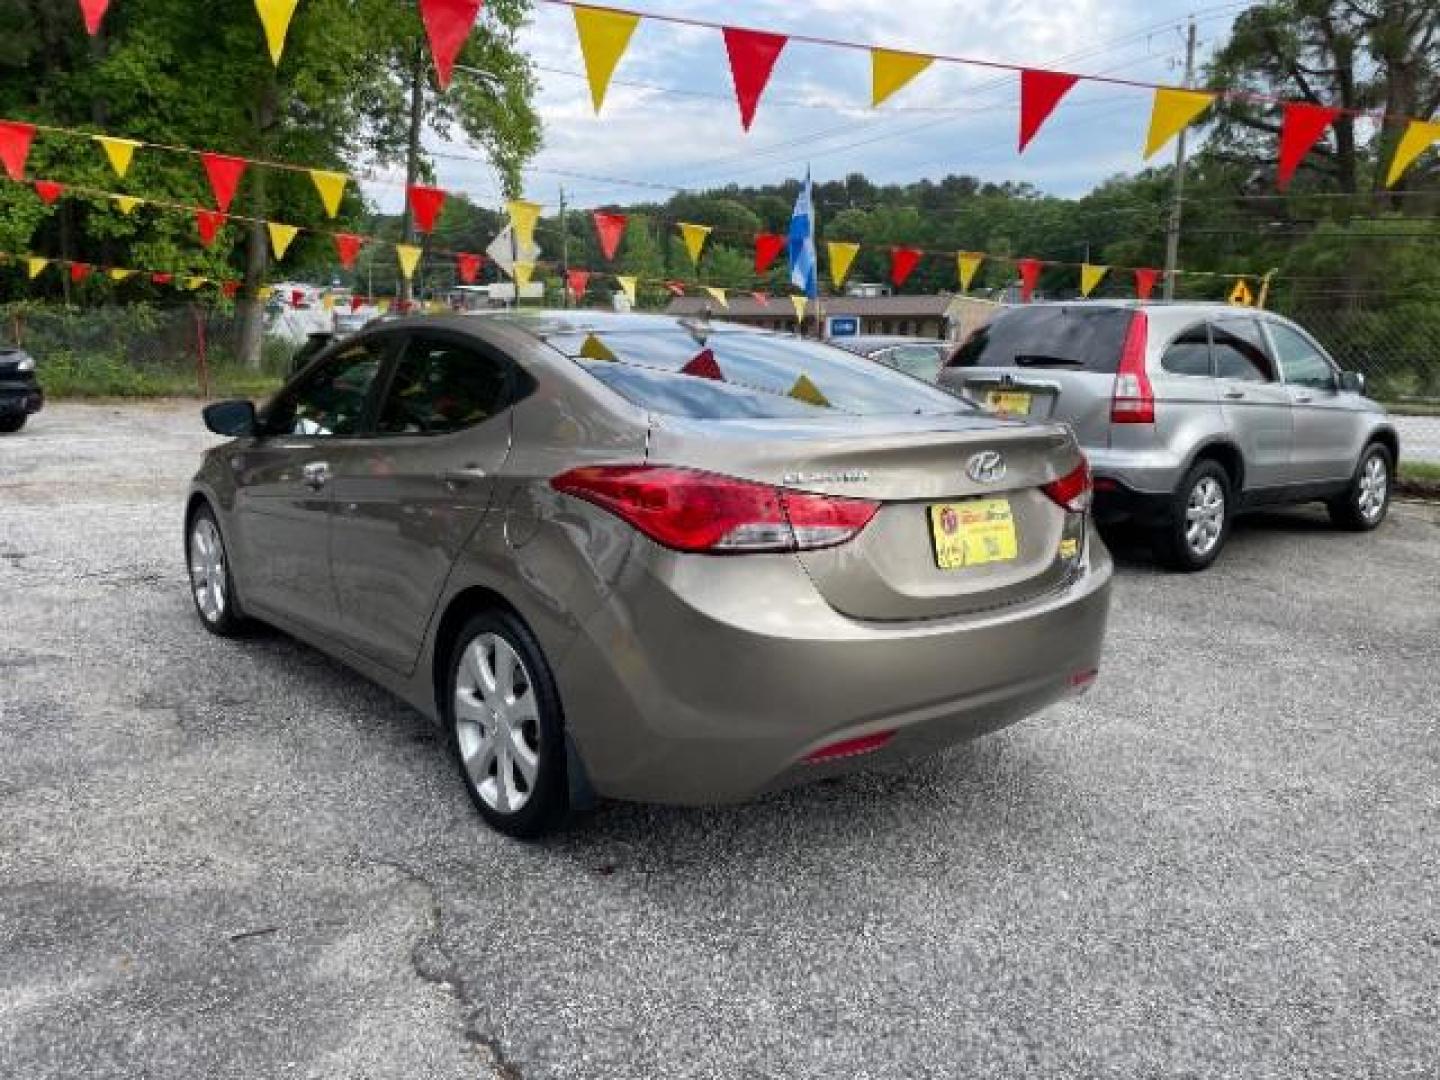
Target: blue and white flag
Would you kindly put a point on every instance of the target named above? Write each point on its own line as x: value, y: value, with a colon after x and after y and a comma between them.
x: 804, y: 267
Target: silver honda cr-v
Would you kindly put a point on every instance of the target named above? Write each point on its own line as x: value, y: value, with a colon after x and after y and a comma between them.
x: 657, y: 559
x: 1189, y: 413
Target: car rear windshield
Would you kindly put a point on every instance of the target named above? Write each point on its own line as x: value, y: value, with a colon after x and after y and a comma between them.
x: 1079, y: 338
x: 732, y: 374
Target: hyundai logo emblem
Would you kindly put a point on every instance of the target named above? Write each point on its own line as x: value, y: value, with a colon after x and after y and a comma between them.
x: 986, y: 467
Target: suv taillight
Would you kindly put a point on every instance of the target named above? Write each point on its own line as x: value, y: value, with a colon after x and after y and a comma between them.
x: 1072, y: 491
x: 1134, y: 398
x: 696, y: 511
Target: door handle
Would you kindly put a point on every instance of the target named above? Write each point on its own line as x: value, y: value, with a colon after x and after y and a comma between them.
x: 315, y: 475
x: 1234, y: 393
x: 470, y: 474
x: 1303, y: 399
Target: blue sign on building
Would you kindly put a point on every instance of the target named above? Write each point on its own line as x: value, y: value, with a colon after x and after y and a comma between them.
x: 844, y: 326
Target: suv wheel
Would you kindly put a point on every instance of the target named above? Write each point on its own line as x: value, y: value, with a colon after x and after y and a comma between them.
x: 506, y: 730
x: 1367, y: 500
x: 1199, y: 522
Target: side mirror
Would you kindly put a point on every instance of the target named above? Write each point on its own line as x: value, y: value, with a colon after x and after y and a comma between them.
x: 1352, y: 382
x: 231, y: 418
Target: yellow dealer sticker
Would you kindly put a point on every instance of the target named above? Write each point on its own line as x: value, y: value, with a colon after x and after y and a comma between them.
x: 973, y: 533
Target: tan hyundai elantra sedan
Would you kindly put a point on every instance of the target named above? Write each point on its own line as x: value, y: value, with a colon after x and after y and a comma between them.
x: 650, y: 558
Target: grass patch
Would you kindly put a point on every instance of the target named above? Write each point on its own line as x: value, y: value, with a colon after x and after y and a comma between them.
x: 90, y: 375
x: 1420, y: 470
x: 1412, y: 408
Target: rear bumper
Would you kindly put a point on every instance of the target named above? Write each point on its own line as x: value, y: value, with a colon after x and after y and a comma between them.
x: 706, y: 680
x: 1116, y: 502
x: 1133, y: 485
x: 19, y: 397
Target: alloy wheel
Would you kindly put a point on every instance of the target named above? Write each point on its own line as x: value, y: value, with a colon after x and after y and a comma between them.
x: 497, y: 723
x: 207, y: 569
x: 1374, y: 487
x: 1204, y: 516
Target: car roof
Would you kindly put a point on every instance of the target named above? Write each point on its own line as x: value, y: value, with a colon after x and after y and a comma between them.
x: 883, y: 341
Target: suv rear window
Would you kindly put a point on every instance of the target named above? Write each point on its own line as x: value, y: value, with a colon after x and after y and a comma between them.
x: 1081, y: 337
x: 760, y: 375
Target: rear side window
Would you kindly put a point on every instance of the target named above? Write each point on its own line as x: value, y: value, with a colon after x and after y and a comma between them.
x: 1080, y: 337
x: 1189, y: 354
x: 718, y: 374
x: 1239, y: 352
x: 440, y: 386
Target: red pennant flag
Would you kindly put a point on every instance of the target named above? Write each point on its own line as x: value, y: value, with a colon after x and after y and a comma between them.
x: 15, y: 142
x: 230, y: 289
x: 761, y: 298
x: 297, y: 297
x: 752, y: 59
x: 208, y: 222
x: 1040, y: 92
x: 425, y: 203
x: 1029, y: 276
x: 162, y: 279
x: 677, y: 288
x: 49, y: 191
x: 467, y: 266
x: 1300, y: 130
x: 79, y: 272
x: 347, y: 246
x: 224, y: 172
x: 356, y: 303
x: 93, y: 11
x: 447, y: 25
x: 767, y: 246
x: 902, y: 263
x: 703, y: 365
x: 577, y: 281
x: 610, y: 228
x: 1145, y: 278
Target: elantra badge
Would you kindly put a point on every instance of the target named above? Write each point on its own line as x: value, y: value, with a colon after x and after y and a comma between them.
x: 986, y: 467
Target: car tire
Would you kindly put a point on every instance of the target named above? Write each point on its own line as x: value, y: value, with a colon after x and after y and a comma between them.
x: 212, y: 584
x: 1367, y: 500
x: 11, y: 424
x: 505, y: 726
x: 1199, y: 522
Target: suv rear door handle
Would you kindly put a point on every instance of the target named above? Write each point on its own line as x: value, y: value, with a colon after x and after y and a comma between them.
x: 1304, y: 399
x: 470, y: 474
x: 1234, y: 392
x: 315, y: 475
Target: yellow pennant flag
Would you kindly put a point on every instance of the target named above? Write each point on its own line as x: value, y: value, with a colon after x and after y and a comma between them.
x: 120, y: 152
x: 126, y: 204
x: 966, y: 265
x: 841, y: 256
x: 524, y: 271
x: 1090, y: 276
x: 383, y: 306
x: 275, y: 16
x: 34, y: 266
x: 889, y: 71
x: 409, y: 256
x: 694, y: 239
x: 194, y: 283
x: 799, y: 302
x: 119, y: 274
x: 1172, y: 111
x: 1419, y: 134
x: 331, y: 186
x: 604, y: 36
x: 523, y: 216
x: 281, y: 237
x: 327, y: 302
x: 592, y: 348
x: 718, y: 295
x: 806, y: 391
x: 264, y: 293
x: 627, y: 285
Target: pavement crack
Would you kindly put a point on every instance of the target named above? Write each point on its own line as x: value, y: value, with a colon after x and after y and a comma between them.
x: 434, y: 964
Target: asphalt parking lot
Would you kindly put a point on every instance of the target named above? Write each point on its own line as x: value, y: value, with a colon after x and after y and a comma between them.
x: 237, y: 859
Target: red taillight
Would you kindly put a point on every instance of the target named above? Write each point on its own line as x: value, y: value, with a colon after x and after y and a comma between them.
x: 1072, y: 491
x: 702, y: 512
x: 1134, y: 400
x: 865, y: 744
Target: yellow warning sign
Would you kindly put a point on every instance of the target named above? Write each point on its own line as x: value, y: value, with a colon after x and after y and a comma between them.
x: 1241, y: 294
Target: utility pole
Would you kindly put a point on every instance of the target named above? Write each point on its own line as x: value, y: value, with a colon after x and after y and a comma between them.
x: 564, y: 254
x: 1172, y: 230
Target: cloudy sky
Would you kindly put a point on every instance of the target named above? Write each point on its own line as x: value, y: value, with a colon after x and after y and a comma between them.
x: 670, y: 120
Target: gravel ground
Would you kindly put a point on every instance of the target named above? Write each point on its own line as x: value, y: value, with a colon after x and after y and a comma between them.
x: 237, y: 859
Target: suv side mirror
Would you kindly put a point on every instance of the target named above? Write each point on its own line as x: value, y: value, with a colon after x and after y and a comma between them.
x: 1352, y: 382
x: 232, y: 418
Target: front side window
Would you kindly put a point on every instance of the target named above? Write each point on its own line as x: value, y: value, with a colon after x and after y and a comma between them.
x: 331, y: 400
x: 440, y: 387
x: 1301, y: 361
x: 1189, y: 354
x: 1238, y: 351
